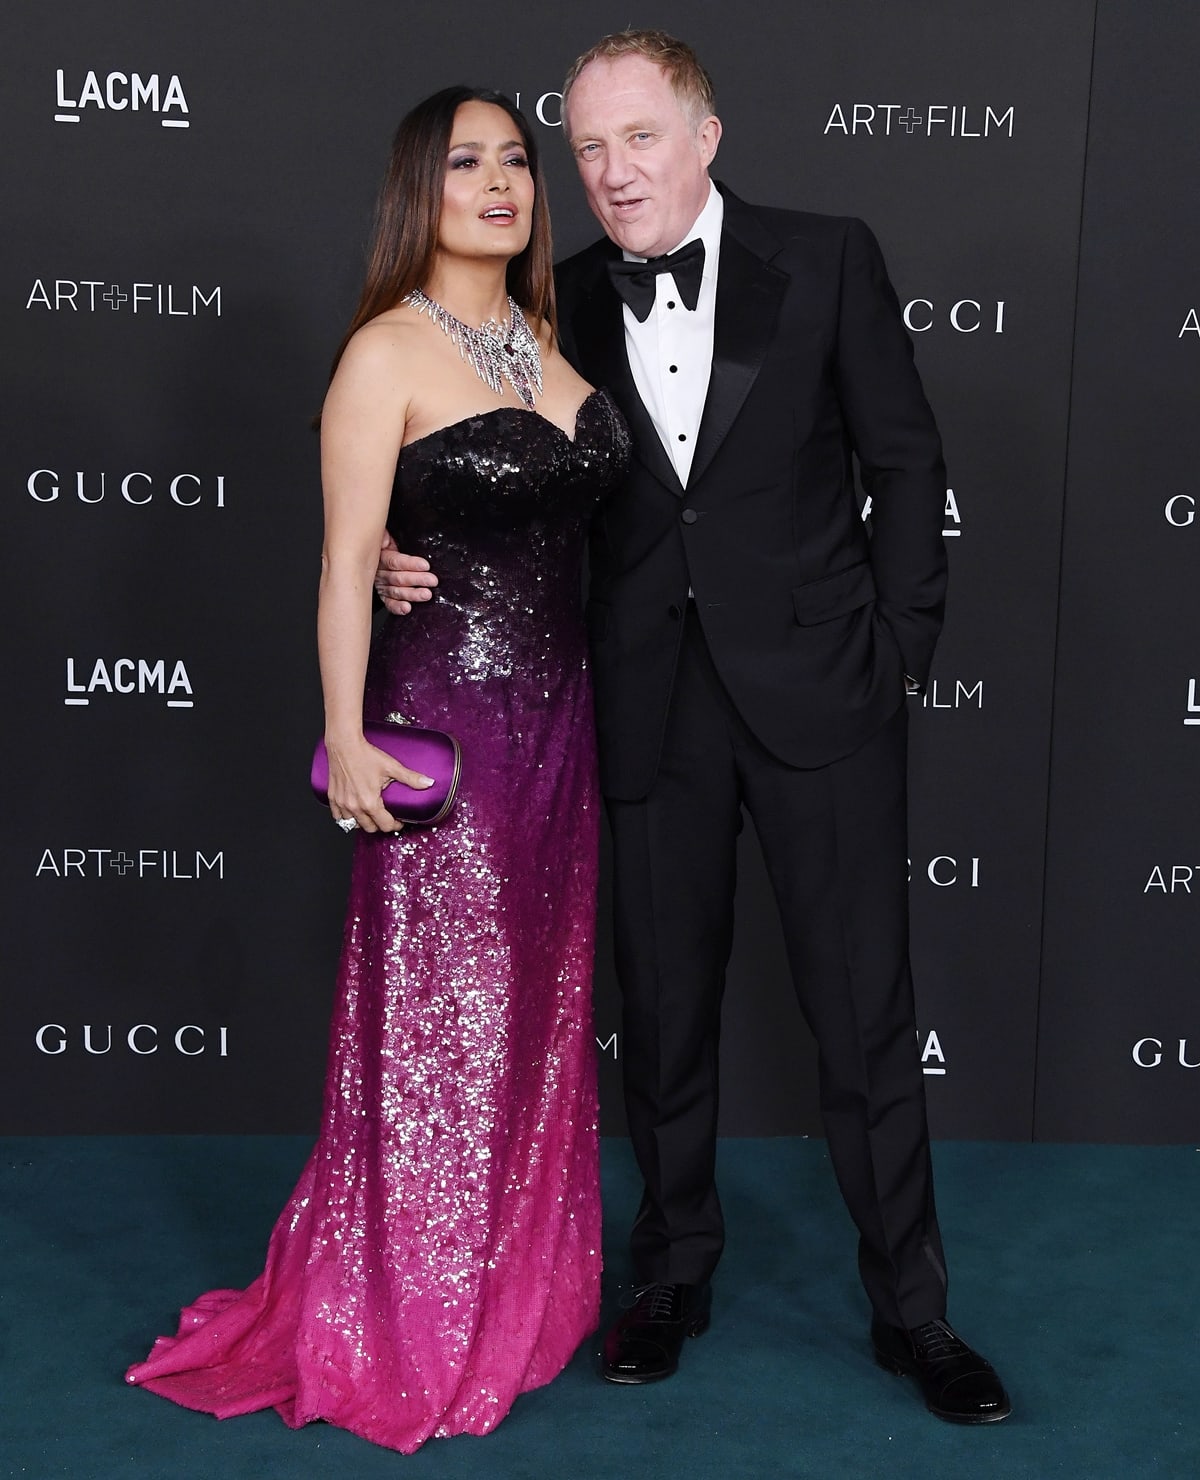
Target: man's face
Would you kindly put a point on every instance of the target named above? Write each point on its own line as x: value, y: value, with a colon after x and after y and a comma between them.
x: 643, y: 165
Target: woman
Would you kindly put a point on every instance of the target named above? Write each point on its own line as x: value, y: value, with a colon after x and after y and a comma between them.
x: 441, y: 1252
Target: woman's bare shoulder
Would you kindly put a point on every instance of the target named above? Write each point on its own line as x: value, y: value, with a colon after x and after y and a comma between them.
x: 387, y: 354
x: 394, y: 333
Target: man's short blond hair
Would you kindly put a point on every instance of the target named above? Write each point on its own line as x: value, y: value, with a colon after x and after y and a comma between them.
x: 690, y: 83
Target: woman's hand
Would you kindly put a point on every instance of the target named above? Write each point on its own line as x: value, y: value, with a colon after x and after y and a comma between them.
x: 358, y: 774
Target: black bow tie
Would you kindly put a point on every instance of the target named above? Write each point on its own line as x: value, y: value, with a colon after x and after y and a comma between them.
x: 634, y: 281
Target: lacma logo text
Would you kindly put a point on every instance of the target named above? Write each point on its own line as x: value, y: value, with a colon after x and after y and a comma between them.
x: 118, y: 92
x: 129, y: 676
x: 953, y: 526
x: 933, y: 1060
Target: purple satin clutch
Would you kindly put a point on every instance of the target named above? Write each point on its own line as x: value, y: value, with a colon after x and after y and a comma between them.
x: 432, y: 752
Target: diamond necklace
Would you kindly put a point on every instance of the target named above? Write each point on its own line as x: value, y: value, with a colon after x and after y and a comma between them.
x: 496, y: 352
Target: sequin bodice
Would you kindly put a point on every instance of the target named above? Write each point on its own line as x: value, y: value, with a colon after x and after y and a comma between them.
x: 498, y: 504
x: 506, y: 469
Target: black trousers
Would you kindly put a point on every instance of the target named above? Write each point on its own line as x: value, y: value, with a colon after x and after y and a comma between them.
x: 835, y: 844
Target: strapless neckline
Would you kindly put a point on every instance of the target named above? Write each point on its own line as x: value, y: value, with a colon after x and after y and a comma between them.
x: 462, y: 421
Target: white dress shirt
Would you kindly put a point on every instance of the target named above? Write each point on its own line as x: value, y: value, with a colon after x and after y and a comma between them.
x: 670, y: 355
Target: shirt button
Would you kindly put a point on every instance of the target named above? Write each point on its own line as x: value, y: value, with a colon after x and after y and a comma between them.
x: 674, y: 613
x: 674, y: 369
x: 683, y: 436
x: 670, y: 303
x: 689, y: 516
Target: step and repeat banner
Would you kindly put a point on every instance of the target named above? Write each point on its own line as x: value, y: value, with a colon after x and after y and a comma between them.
x: 189, y: 193
x: 1119, y: 1029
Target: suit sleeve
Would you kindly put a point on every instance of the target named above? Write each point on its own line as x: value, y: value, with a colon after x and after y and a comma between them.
x: 899, y: 451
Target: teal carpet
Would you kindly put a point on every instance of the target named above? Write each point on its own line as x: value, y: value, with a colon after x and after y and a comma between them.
x: 1076, y: 1269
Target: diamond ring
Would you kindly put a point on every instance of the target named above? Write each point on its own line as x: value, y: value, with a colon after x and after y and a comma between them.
x: 347, y: 824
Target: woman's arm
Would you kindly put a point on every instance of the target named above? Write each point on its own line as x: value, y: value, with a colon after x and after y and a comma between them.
x: 362, y: 428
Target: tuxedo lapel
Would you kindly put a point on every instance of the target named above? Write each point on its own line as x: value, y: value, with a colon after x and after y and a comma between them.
x: 749, y: 292
x: 599, y: 330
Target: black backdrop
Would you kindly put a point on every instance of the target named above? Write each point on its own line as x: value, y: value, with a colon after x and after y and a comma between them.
x: 183, y: 248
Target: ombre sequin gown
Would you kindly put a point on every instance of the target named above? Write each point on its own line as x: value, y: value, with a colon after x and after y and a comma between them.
x: 441, y: 1251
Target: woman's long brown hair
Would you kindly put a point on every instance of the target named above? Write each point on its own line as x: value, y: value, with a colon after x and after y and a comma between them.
x: 409, y: 211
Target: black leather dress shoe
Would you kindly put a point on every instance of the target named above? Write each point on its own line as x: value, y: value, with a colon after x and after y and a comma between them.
x: 958, y: 1384
x: 644, y: 1344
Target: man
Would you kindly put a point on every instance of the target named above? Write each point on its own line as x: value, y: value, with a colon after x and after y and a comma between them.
x: 751, y: 645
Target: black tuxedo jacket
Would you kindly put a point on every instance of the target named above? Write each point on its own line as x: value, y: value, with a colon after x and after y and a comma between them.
x: 812, y: 621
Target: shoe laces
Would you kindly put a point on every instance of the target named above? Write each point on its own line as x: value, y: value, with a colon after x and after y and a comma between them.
x: 653, y: 1302
x: 935, y: 1341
